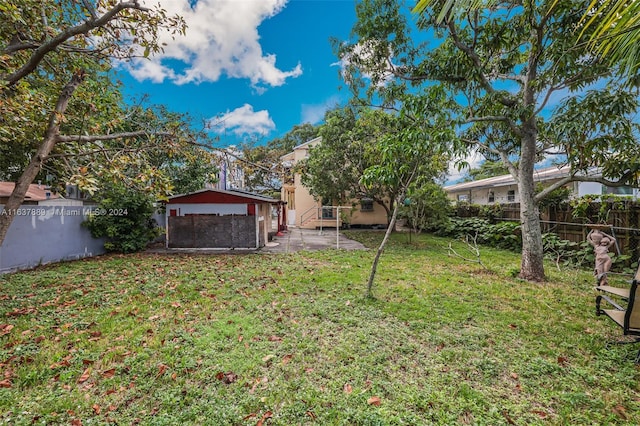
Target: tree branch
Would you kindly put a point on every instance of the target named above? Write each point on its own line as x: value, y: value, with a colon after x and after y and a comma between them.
x: 94, y: 138
x: 38, y: 55
x: 623, y: 181
x: 477, y: 64
x: 37, y: 160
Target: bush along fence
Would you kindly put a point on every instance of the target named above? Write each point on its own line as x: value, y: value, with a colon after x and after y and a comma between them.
x: 565, y: 227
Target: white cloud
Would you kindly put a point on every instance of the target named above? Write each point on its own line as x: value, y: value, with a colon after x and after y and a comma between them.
x: 222, y: 39
x: 473, y: 160
x: 373, y: 65
x: 314, y: 113
x: 243, y: 121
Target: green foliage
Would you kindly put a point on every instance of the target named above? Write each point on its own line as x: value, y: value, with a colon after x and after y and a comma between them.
x: 593, y: 206
x: 501, y: 63
x: 504, y: 235
x: 486, y: 170
x: 124, y: 218
x: 426, y: 207
x: 555, y: 198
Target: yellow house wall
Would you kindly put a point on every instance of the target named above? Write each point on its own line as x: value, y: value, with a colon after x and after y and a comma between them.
x: 306, y: 206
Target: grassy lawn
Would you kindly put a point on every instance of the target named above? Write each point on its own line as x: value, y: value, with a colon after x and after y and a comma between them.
x: 289, y: 339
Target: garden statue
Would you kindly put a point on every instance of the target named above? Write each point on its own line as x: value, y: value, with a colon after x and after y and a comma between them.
x: 601, y: 243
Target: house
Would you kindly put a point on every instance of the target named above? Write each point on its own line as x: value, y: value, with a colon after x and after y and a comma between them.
x: 222, y: 219
x: 305, y: 211
x: 43, y: 195
x: 36, y: 194
x: 503, y: 189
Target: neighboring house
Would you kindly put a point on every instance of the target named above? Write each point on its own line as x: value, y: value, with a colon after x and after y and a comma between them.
x: 304, y: 211
x: 42, y: 195
x: 503, y: 189
x: 36, y: 194
x: 215, y: 218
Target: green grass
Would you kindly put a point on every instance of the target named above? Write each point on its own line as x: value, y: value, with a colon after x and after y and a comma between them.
x: 290, y: 339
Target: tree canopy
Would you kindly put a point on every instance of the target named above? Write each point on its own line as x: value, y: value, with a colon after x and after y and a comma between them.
x: 519, y: 88
x: 61, y: 113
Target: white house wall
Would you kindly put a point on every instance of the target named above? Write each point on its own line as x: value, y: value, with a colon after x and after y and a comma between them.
x: 586, y: 188
x: 220, y: 209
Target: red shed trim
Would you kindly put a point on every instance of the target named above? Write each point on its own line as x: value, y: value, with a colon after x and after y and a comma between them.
x: 218, y: 196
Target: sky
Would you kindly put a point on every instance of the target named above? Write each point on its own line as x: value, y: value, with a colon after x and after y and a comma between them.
x: 251, y: 69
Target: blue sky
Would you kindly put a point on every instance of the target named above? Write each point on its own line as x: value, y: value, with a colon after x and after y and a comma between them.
x: 251, y: 68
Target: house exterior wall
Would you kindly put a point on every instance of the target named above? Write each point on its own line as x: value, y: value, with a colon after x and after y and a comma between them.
x: 378, y: 216
x: 302, y: 208
x: 213, y: 209
x: 501, y: 194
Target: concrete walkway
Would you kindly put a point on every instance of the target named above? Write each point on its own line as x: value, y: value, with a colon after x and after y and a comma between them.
x: 296, y: 239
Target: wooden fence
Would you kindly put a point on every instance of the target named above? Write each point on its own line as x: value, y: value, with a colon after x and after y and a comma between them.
x: 624, y: 221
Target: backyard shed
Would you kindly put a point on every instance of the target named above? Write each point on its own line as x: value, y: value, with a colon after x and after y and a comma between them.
x: 222, y: 219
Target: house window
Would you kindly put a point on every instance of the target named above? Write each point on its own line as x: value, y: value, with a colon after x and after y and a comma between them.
x: 327, y: 213
x: 366, y: 205
x: 492, y: 197
x: 617, y: 190
x: 463, y: 197
x: 511, y: 196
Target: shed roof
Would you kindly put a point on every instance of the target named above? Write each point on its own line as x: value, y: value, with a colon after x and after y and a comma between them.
x: 221, y: 196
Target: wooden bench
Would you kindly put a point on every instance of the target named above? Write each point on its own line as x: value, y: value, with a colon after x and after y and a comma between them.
x: 628, y: 318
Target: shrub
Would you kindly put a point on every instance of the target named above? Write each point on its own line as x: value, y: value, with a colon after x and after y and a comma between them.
x: 124, y: 218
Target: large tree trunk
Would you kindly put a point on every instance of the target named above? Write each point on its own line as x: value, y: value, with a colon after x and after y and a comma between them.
x: 532, y: 267
x: 31, y: 171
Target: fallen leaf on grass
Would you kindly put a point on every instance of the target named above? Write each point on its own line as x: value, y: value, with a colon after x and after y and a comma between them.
x: 96, y: 409
x: 85, y: 376
x: 620, y: 411
x: 347, y: 388
x: 311, y: 414
x: 374, y: 400
x: 286, y: 359
x: 508, y: 418
x: 161, y: 370
x: 6, y: 329
x: 543, y: 415
x: 6, y: 383
x: 17, y: 312
x: 275, y: 339
x: 562, y: 361
x: 108, y: 373
x: 265, y: 416
x: 227, y: 378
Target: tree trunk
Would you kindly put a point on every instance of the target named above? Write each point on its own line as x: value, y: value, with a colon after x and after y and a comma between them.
x: 31, y: 171
x: 532, y: 266
x: 374, y: 266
